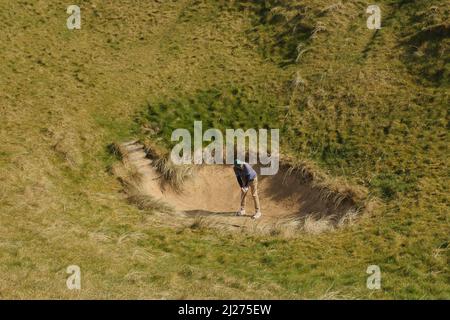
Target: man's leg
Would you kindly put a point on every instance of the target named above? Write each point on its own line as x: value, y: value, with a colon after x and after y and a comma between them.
x: 254, y: 189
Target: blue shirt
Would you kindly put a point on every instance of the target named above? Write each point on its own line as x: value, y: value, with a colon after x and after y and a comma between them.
x: 244, y: 175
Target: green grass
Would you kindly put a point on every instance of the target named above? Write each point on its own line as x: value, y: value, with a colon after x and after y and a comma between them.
x: 216, y: 108
x: 370, y: 108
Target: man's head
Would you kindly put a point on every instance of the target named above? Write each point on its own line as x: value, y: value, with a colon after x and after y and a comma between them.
x: 238, y: 164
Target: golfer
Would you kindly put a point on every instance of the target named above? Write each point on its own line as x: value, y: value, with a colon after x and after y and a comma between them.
x: 247, y: 178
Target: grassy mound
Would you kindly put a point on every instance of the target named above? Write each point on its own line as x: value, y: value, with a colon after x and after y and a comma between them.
x: 370, y: 107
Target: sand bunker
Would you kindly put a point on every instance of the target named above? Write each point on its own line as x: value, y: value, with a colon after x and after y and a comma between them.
x: 213, y: 191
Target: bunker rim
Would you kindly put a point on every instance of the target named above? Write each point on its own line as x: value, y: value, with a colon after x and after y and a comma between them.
x: 300, y: 197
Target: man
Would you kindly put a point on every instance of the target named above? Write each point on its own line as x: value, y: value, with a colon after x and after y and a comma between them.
x: 247, y: 178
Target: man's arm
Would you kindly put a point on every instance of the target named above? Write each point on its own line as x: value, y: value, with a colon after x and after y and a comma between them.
x: 238, y: 177
x: 247, y: 175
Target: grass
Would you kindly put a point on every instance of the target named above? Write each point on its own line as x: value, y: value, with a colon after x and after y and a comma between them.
x: 175, y: 175
x: 370, y: 108
x: 149, y: 204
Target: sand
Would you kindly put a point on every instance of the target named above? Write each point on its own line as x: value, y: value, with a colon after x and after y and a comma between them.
x: 213, y: 191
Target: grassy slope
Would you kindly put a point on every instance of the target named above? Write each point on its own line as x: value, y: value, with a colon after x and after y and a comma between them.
x: 66, y: 95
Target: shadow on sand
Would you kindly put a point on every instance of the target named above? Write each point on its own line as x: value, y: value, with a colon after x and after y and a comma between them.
x: 206, y: 213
